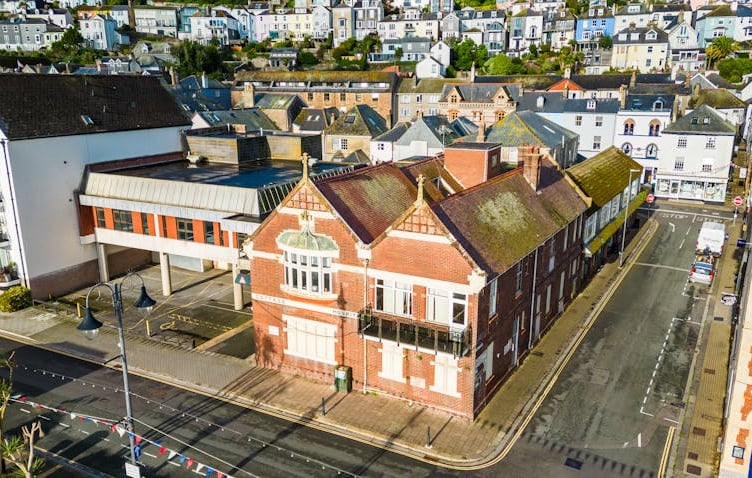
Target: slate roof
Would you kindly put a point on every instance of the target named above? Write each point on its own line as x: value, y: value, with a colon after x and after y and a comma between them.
x: 60, y: 103
x: 360, y: 120
x: 393, y: 134
x: 719, y: 98
x: 660, y: 36
x: 556, y: 103
x: 603, y: 176
x: 315, y: 119
x: 527, y: 127
x: 484, y: 92
x: 702, y: 120
x: 649, y: 102
x: 529, y: 82
x: 502, y: 220
x: 370, y: 199
x: 252, y: 118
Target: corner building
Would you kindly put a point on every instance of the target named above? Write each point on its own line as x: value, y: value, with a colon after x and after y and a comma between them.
x: 414, y: 281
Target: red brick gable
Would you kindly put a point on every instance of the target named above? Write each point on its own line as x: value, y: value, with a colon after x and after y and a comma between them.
x: 307, y: 198
x: 421, y: 221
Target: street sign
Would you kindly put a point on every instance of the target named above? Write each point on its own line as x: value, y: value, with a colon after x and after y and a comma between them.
x: 738, y: 201
x: 649, y: 199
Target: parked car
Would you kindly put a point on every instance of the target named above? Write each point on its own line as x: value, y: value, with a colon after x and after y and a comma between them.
x: 703, y: 269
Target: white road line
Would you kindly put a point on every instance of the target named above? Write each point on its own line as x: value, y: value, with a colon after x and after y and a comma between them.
x: 661, y: 266
x: 672, y: 421
x: 644, y: 399
x: 639, y: 440
x: 173, y: 463
x: 44, y: 418
x: 673, y: 227
x: 150, y: 455
x: 643, y: 412
x: 84, y: 432
x: 681, y: 244
x: 655, y: 370
x: 625, y: 444
x: 63, y: 425
x: 25, y: 411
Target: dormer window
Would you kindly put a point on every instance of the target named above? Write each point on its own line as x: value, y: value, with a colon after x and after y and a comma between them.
x: 658, y: 104
x: 651, y: 35
x: 591, y: 104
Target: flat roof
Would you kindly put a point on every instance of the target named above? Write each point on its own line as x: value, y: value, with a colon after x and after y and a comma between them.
x: 252, y: 175
x: 471, y: 145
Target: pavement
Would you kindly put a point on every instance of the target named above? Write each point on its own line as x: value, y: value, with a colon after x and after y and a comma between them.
x: 454, y: 442
x: 697, y: 443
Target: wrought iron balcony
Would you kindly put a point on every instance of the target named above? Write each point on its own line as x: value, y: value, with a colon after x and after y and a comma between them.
x: 426, y: 335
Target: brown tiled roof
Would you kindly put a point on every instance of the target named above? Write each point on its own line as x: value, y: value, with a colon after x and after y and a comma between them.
x: 431, y: 169
x: 370, y: 199
x: 502, y: 220
x: 57, y: 105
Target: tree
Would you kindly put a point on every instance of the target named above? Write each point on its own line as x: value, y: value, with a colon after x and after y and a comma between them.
x: 733, y: 69
x: 719, y: 49
x: 195, y: 59
x: 20, y: 451
x: 605, y: 42
x: 501, y: 64
x: 468, y: 53
x: 398, y: 54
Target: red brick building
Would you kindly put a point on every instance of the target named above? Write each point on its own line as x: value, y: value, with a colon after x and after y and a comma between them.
x: 425, y: 284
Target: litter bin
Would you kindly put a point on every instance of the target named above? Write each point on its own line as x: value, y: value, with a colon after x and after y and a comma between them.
x: 343, y: 378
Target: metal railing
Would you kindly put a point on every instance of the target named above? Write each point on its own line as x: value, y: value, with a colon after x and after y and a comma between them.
x: 426, y: 335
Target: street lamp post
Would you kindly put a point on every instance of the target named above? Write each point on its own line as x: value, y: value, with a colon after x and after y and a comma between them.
x: 90, y: 327
x: 626, y: 215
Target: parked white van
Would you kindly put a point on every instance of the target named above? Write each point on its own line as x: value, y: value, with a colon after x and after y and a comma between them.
x: 711, y: 238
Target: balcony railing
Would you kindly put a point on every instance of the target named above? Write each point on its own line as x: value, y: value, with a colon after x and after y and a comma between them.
x: 426, y: 335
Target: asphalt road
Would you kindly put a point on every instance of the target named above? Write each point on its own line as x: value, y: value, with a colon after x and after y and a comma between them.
x: 225, y: 437
x: 611, y: 408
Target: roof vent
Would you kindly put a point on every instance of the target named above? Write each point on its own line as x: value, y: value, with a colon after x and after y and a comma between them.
x: 87, y: 120
x: 194, y: 159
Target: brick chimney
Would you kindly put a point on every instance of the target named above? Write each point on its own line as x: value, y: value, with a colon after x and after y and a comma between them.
x: 248, y: 95
x: 529, y: 156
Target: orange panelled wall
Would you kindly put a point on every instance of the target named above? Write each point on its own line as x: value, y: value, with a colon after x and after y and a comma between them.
x: 138, y: 225
x: 172, y: 227
x: 198, y: 231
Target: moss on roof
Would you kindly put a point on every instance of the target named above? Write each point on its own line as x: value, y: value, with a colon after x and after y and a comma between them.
x: 323, y: 76
x: 604, y: 176
x: 719, y: 98
x: 425, y: 85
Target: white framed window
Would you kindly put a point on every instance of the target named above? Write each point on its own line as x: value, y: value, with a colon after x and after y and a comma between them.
x: 310, y: 339
x: 392, y: 362
x: 598, y: 121
x: 518, y: 278
x: 394, y: 297
x: 707, y: 165
x: 679, y: 163
x: 596, y: 142
x: 380, y: 146
x: 493, y: 296
x: 445, y: 307
x: 445, y: 372
x: 339, y: 144
x: 308, y: 272
x: 578, y: 120
x: 710, y: 142
x: 681, y: 142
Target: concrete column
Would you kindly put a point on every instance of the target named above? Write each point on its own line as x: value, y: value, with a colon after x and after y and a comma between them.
x: 237, y: 289
x: 164, y: 265
x: 104, y: 267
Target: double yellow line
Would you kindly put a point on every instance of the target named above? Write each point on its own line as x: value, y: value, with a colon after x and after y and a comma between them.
x: 666, y: 452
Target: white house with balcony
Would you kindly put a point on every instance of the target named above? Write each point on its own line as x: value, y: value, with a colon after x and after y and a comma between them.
x: 696, y: 156
x: 99, y: 33
x: 218, y: 25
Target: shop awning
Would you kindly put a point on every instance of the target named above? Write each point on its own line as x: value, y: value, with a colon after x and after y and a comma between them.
x: 612, y: 227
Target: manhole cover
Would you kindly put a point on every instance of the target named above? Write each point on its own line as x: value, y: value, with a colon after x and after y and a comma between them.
x: 694, y: 469
x: 692, y: 455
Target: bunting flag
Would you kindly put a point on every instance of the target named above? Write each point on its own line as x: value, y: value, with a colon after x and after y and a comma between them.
x: 139, y: 441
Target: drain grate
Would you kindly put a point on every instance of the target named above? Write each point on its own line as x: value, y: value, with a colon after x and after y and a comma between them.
x: 692, y: 455
x: 694, y: 469
x: 698, y: 431
x: 718, y: 319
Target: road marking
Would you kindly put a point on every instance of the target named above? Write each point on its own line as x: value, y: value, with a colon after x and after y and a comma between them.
x: 63, y: 425
x: 625, y: 444
x: 84, y: 432
x: 681, y: 244
x: 646, y: 413
x: 666, y: 452
x: 681, y: 269
x: 658, y: 362
x: 44, y: 418
x: 149, y: 455
x: 672, y: 421
x: 25, y: 411
x: 639, y: 440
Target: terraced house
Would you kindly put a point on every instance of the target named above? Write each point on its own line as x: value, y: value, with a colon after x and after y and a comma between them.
x: 347, y: 287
